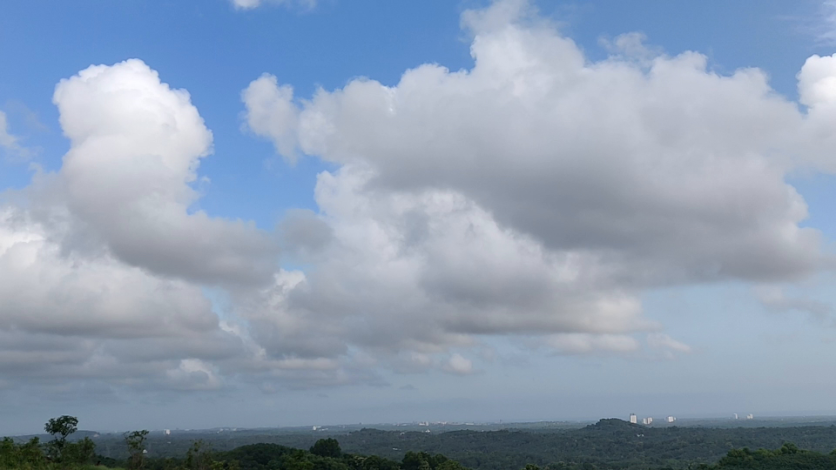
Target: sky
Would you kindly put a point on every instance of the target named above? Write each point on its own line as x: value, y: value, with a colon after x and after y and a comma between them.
x: 304, y: 212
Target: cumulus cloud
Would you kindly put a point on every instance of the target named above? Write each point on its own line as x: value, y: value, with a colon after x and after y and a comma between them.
x: 88, y: 316
x: 597, y: 158
x: 424, y: 272
x: 539, y: 193
x: 103, y: 263
x: 135, y: 148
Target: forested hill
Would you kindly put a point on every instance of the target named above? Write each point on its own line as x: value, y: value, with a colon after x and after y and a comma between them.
x: 609, y: 443
x: 613, y: 442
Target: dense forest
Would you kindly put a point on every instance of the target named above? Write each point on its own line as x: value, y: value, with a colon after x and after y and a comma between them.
x: 606, y: 445
x: 609, y: 443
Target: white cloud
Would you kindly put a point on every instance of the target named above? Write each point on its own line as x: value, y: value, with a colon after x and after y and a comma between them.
x: 422, y: 273
x: 605, y: 158
x: 585, y: 343
x: 825, y: 27
x: 538, y: 193
x: 68, y: 316
x: 665, y: 342
x: 135, y: 148
x: 194, y: 374
x: 101, y: 263
x: 9, y: 142
x: 775, y: 299
x: 817, y: 81
x: 272, y: 113
x: 459, y: 365
x: 6, y: 139
x: 251, y: 4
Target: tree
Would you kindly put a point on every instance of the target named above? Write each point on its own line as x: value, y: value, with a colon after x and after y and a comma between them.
x: 60, y: 428
x: 415, y: 461
x: 200, y: 458
x: 81, y: 452
x: 136, y: 447
x: 327, y: 448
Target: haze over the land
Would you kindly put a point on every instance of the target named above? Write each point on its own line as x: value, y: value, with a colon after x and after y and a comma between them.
x: 265, y: 213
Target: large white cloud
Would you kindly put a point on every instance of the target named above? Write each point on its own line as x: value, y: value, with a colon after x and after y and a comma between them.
x: 135, y: 146
x: 103, y: 263
x: 424, y: 272
x: 69, y: 316
x: 538, y: 192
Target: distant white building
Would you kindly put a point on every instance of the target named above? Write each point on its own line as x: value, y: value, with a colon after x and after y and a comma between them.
x: 647, y: 421
x: 750, y: 416
x: 633, y: 418
x: 735, y: 416
x: 168, y: 432
x: 671, y: 419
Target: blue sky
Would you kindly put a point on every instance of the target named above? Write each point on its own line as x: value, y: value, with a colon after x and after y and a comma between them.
x: 393, y: 211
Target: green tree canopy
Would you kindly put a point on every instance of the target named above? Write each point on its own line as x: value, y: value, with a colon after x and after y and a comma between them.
x: 327, y: 448
x: 60, y: 428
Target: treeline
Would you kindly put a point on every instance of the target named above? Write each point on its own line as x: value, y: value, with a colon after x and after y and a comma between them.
x: 325, y: 454
x: 608, y: 444
x: 58, y: 453
x: 603, y: 446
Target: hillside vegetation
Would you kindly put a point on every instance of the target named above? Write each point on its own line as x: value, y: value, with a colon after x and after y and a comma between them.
x: 606, y: 445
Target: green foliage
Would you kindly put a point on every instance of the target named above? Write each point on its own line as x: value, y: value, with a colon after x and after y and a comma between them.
x: 82, y: 452
x: 788, y: 456
x: 199, y: 457
x: 607, y: 445
x: 136, y: 446
x: 30, y: 455
x: 22, y: 456
x: 327, y: 448
x: 425, y: 461
x: 60, y: 428
x: 56, y: 454
x: 276, y: 457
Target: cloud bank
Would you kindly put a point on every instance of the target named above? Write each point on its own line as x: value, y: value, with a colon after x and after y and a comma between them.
x: 537, y: 195
x: 540, y: 193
